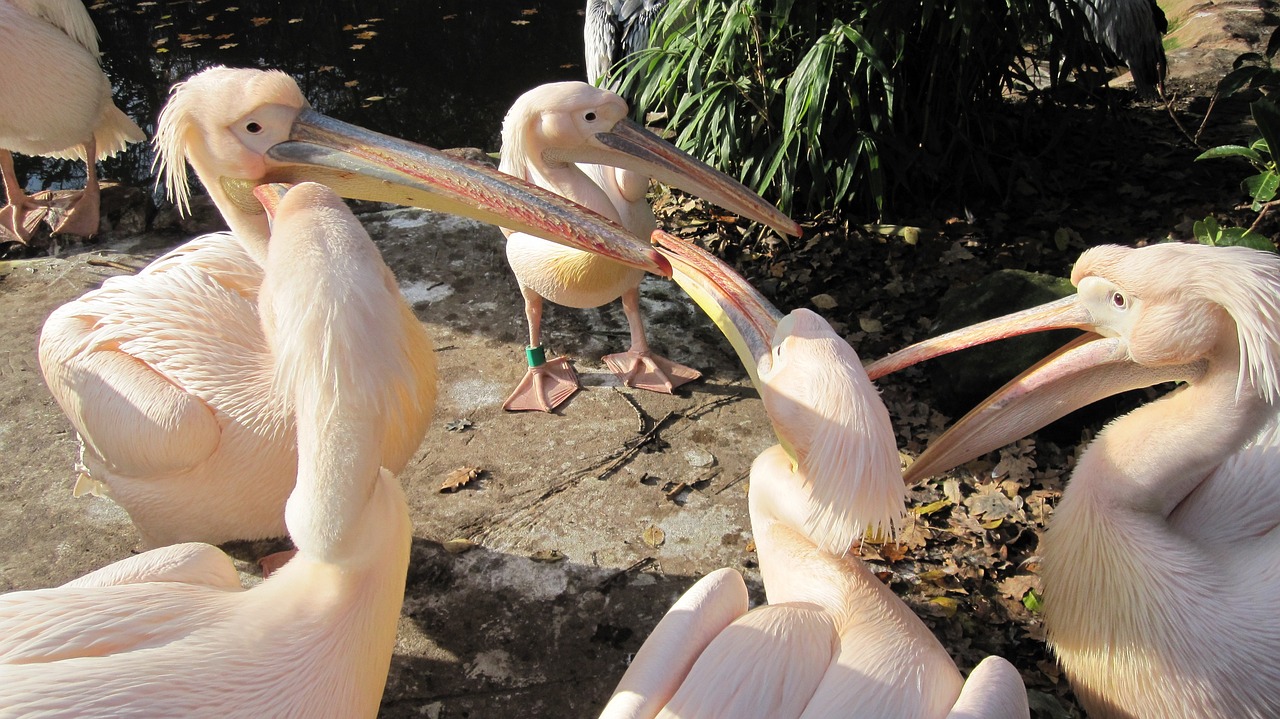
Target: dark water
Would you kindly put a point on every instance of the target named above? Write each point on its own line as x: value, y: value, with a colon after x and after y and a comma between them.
x: 441, y: 73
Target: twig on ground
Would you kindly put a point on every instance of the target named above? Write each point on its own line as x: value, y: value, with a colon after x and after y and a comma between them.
x: 97, y: 262
x: 617, y: 577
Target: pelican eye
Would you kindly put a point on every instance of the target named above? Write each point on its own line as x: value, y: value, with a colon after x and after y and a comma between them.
x: 253, y: 128
x: 1118, y: 300
x: 591, y: 117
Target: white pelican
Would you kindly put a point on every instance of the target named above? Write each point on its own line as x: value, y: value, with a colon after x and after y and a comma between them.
x: 833, y: 641
x: 1160, y: 565
x: 54, y: 101
x: 171, y: 632
x: 167, y: 376
x: 547, y: 131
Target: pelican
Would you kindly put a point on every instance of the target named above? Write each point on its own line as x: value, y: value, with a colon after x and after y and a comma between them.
x: 833, y: 641
x: 166, y: 375
x: 615, y: 29
x: 1161, y: 562
x: 171, y: 632
x: 54, y: 101
x: 1131, y: 31
x: 547, y: 131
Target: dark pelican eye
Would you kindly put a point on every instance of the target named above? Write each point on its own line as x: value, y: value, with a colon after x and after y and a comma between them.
x: 253, y: 128
x: 591, y: 117
x: 1118, y: 300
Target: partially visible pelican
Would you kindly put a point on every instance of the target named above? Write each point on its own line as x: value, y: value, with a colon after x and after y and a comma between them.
x: 171, y: 632
x: 1132, y: 32
x: 166, y: 375
x: 1162, y: 562
x: 55, y: 101
x: 833, y: 641
x: 547, y: 131
x: 615, y: 29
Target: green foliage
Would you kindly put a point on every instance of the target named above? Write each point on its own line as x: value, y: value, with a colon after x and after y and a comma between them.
x: 1208, y: 232
x: 1032, y: 601
x: 821, y: 105
x: 1254, y: 71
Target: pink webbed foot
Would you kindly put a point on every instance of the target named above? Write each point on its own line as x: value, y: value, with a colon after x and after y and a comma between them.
x: 543, y: 388
x: 21, y: 220
x: 646, y: 370
x: 74, y: 213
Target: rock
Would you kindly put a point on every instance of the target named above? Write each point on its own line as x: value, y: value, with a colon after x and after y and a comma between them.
x: 963, y: 379
x: 202, y: 217
x: 124, y: 211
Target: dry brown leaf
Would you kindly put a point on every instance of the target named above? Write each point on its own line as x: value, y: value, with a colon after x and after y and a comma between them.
x: 824, y: 301
x: 548, y: 556
x: 992, y: 505
x: 458, y: 546
x: 870, y: 325
x: 1016, y: 461
x: 459, y: 478
x: 1016, y: 587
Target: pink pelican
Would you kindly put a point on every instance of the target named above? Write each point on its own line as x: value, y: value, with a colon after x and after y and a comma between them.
x: 833, y: 641
x: 1159, y: 568
x: 547, y: 131
x: 171, y: 632
x: 54, y: 101
x: 167, y: 375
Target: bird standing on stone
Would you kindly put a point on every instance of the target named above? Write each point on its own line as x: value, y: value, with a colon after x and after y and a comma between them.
x: 55, y: 101
x: 558, y: 136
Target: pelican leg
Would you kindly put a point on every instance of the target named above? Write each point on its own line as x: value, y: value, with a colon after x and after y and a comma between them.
x: 19, y: 217
x: 639, y: 367
x: 84, y: 216
x: 546, y: 385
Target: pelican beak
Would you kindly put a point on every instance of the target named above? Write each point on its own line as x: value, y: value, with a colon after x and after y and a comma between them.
x: 631, y: 147
x: 270, y: 196
x: 1085, y: 370
x: 361, y: 164
x: 745, y: 317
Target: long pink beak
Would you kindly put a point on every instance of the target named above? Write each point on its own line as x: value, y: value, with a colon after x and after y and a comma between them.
x: 631, y: 147
x: 1087, y: 369
x: 361, y: 164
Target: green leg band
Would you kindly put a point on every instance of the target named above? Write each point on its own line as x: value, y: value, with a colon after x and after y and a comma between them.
x: 536, y: 356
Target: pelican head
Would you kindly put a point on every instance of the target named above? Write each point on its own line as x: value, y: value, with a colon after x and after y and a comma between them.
x: 239, y: 128
x: 1167, y: 312
x: 573, y: 122
x: 824, y: 409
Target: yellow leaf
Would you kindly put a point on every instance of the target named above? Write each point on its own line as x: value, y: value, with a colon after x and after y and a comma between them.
x: 946, y: 604
x: 548, y: 556
x: 931, y: 507
x: 654, y: 537
x: 458, y: 546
